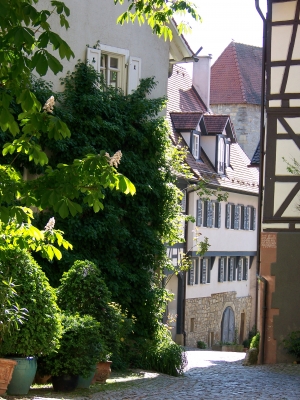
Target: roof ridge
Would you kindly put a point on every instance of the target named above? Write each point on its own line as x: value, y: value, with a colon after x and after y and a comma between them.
x: 239, y: 73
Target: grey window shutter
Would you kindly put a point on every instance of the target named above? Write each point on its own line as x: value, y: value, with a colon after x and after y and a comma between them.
x: 247, y: 209
x: 199, y: 213
x: 236, y: 217
x: 246, y: 268
x: 231, y: 268
x: 203, y: 270
x: 218, y: 205
x: 205, y: 214
x: 225, y: 268
x: 254, y: 218
x: 242, y: 217
x: 239, y: 269
x: 183, y: 201
x: 208, y: 266
x: 191, y: 275
x: 221, y: 269
x: 196, y: 261
x: 209, y: 214
x: 227, y: 220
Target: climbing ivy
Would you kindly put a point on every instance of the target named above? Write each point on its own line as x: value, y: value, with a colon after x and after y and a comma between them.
x: 127, y: 239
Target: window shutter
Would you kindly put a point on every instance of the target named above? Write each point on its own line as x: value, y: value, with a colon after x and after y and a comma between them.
x: 253, y: 218
x: 246, y: 268
x: 199, y: 213
x: 218, y: 207
x: 231, y: 268
x: 239, y: 269
x: 225, y: 268
x: 196, y: 263
x: 221, y: 269
x: 209, y: 214
x: 134, y: 73
x: 208, y: 266
x: 242, y: 217
x: 247, y: 212
x: 191, y: 275
x: 203, y: 271
x: 227, y: 220
x: 183, y: 201
x: 236, y: 217
x: 93, y: 56
x: 205, y: 216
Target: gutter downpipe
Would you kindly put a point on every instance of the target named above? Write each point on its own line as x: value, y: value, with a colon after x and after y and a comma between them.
x: 184, y: 273
x: 261, y: 176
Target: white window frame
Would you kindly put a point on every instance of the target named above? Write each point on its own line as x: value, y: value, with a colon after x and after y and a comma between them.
x: 196, y: 145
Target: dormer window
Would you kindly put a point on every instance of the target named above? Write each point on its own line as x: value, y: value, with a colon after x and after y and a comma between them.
x: 223, y: 154
x: 195, y: 144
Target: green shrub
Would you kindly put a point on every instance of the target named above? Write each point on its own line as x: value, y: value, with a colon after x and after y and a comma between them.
x: 163, y: 354
x: 83, y: 291
x: 80, y: 348
x: 292, y: 343
x: 201, y: 345
x: 41, y: 328
x: 255, y: 341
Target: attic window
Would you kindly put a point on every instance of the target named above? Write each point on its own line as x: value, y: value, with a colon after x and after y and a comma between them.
x: 195, y: 144
x: 223, y: 154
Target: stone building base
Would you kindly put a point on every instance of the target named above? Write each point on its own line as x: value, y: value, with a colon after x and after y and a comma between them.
x: 203, y: 317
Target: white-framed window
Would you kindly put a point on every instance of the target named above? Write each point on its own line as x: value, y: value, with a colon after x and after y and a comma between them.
x: 195, y: 139
x: 223, y: 154
x: 232, y: 217
x: 208, y: 213
x: 248, y: 218
x: 118, y: 68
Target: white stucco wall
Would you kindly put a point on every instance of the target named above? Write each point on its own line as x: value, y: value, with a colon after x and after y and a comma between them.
x: 172, y: 286
x: 93, y: 20
x: 228, y: 241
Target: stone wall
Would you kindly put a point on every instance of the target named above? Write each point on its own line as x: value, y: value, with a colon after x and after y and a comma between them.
x: 207, y: 313
x: 246, y: 122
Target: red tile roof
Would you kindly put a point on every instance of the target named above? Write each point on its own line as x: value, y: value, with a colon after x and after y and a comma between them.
x: 184, y: 109
x: 185, y: 121
x: 236, y: 75
x: 182, y: 96
x: 215, y: 123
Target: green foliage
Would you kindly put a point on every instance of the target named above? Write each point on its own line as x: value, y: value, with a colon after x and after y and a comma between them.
x: 158, y: 13
x: 164, y: 355
x: 252, y: 333
x: 255, y: 341
x: 79, y: 351
x: 292, y: 343
x: 11, y: 315
x: 201, y: 344
x: 41, y: 328
x: 83, y: 290
x: 25, y: 37
x: 127, y: 239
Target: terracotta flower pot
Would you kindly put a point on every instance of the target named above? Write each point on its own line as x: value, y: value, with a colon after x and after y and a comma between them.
x: 102, y: 372
x: 6, y: 369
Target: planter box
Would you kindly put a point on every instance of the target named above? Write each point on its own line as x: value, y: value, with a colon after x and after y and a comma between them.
x: 228, y: 347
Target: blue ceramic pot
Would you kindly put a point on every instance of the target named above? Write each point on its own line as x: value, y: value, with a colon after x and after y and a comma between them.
x: 84, y: 383
x: 23, y: 375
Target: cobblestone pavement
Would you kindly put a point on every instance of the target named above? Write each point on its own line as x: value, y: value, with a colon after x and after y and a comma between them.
x: 214, y: 375
x: 209, y: 375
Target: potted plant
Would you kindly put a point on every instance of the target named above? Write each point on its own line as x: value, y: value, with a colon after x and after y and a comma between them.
x: 80, y: 349
x: 84, y: 291
x: 10, y: 317
x: 40, y: 330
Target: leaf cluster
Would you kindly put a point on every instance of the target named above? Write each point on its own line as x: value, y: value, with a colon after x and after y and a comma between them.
x: 40, y: 331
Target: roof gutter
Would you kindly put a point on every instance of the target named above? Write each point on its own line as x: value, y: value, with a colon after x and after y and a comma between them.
x: 261, y: 175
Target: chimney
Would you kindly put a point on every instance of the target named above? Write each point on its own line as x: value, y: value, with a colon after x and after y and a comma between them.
x: 201, y: 78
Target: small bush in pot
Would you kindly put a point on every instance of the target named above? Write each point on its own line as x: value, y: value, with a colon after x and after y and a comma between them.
x: 84, y: 291
x: 40, y: 330
x: 201, y: 344
x: 79, y: 351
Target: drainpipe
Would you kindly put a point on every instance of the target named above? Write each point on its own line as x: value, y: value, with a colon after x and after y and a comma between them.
x: 261, y: 176
x: 184, y: 272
